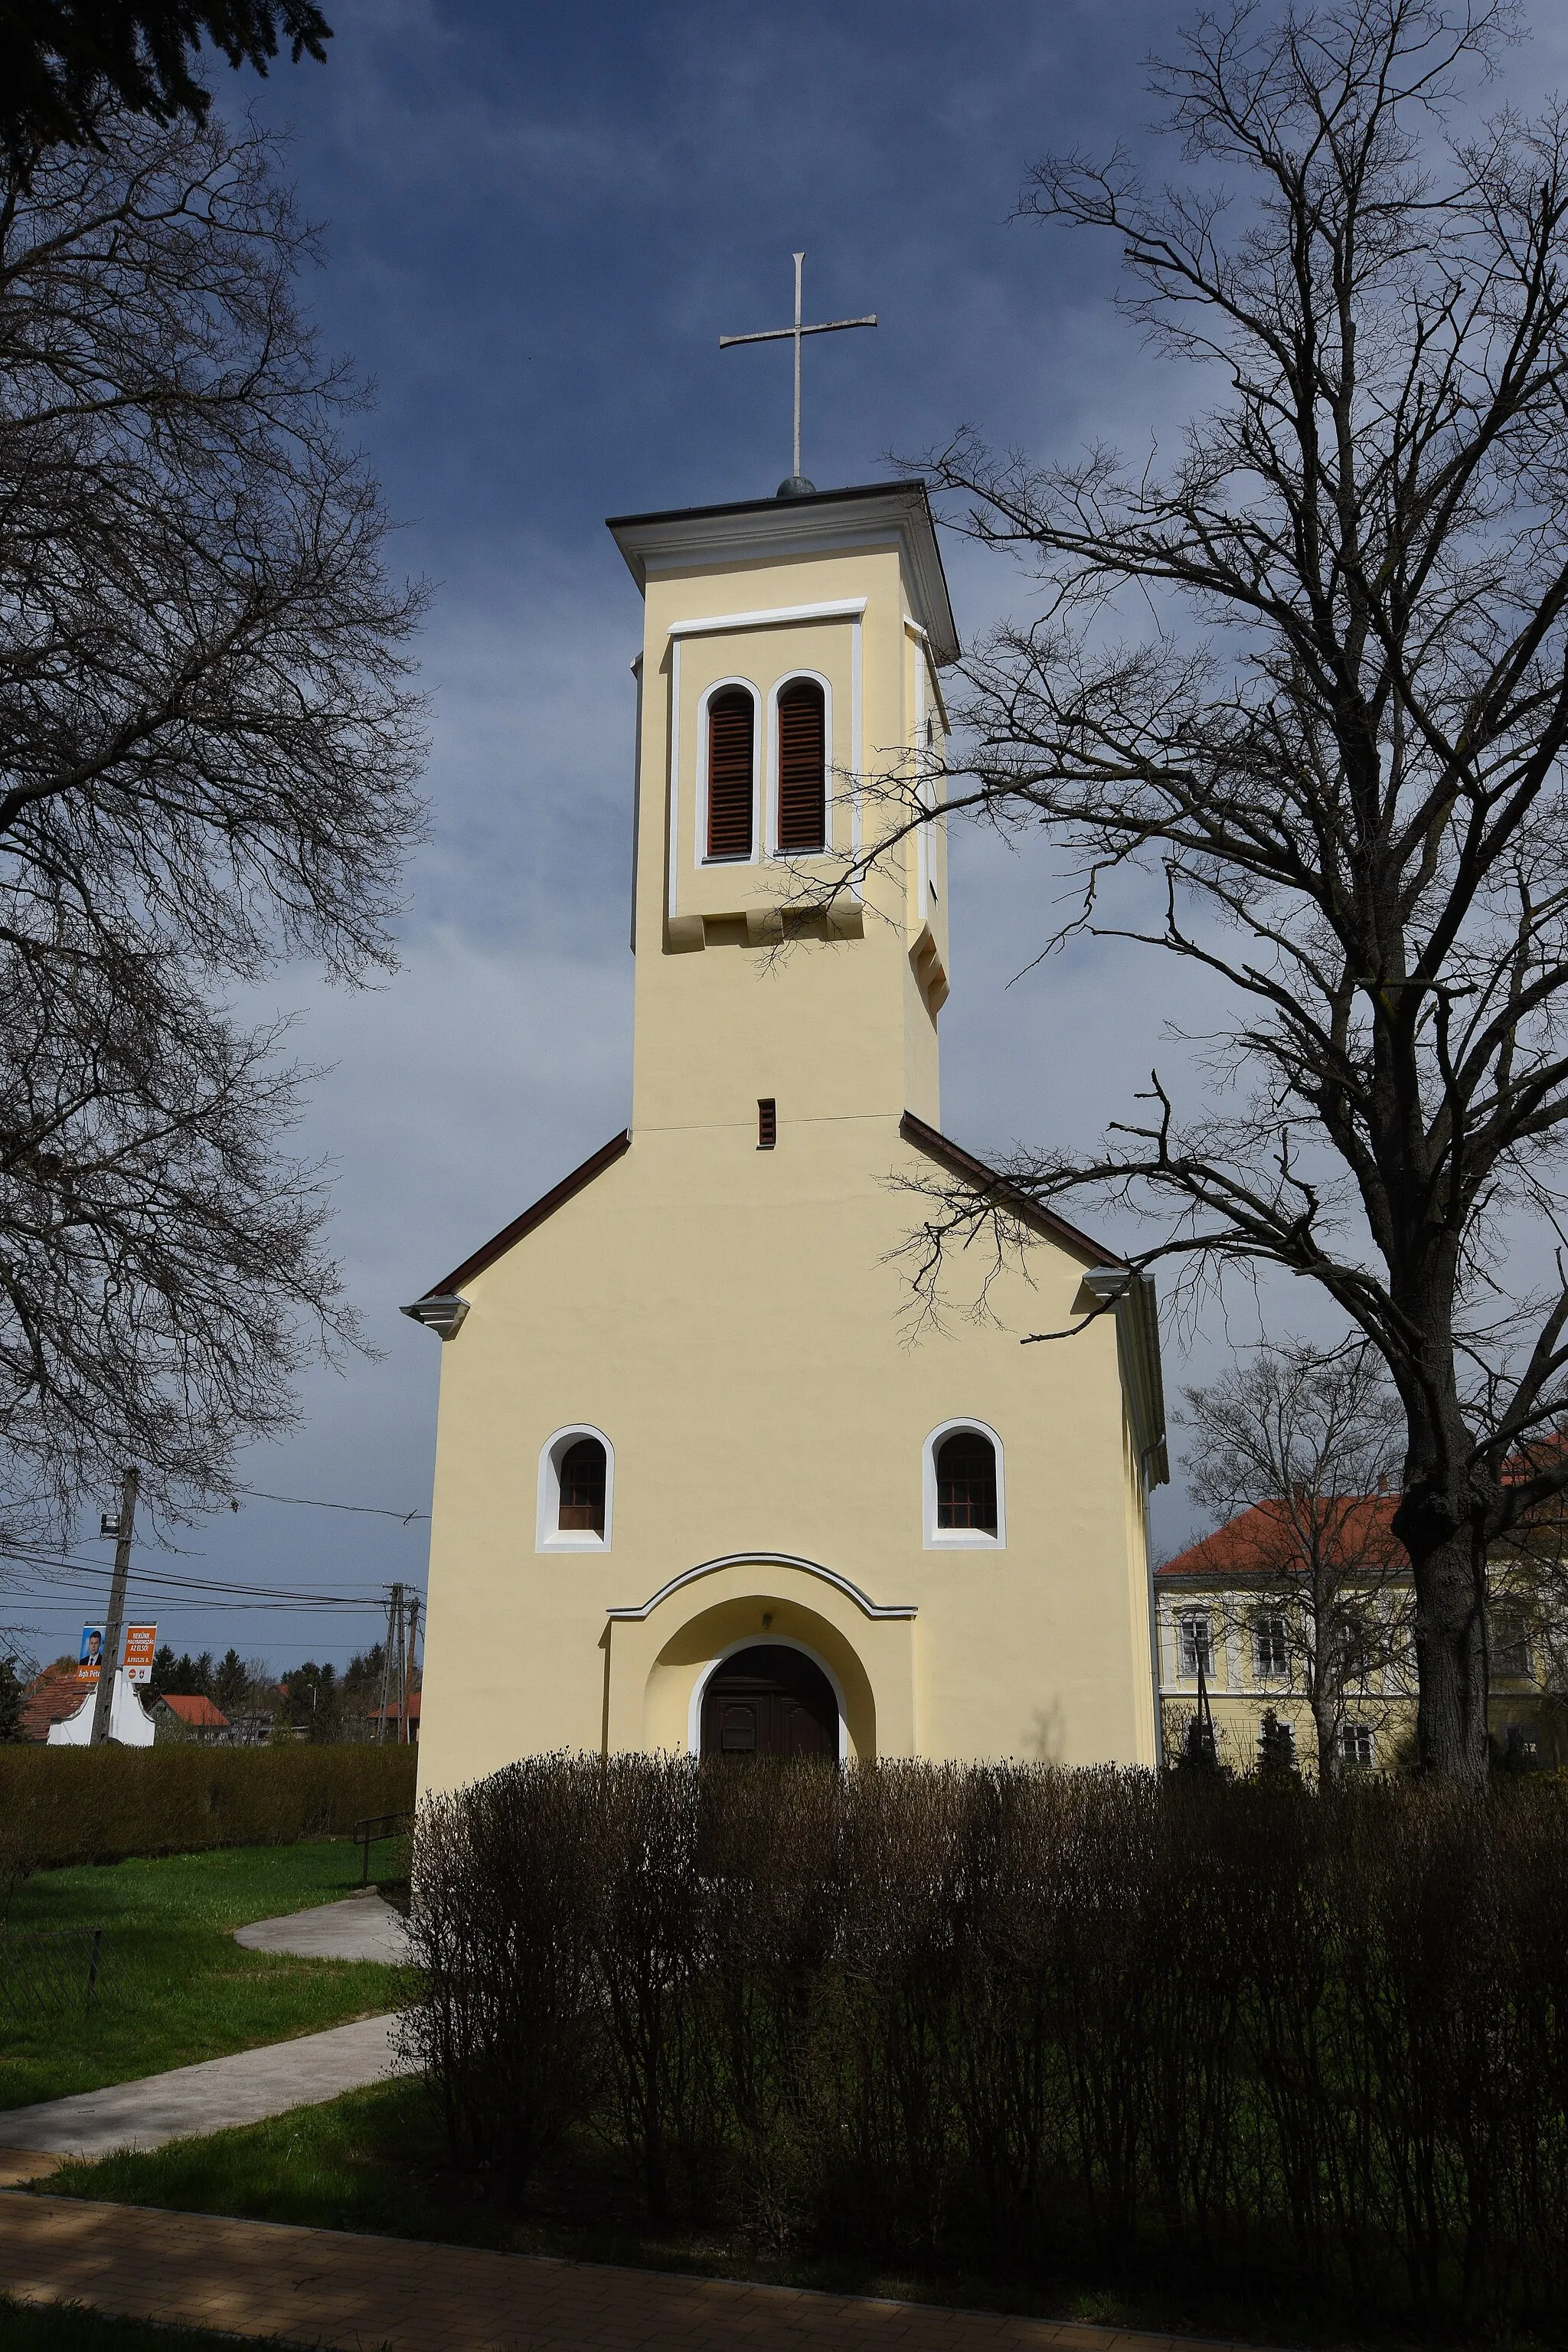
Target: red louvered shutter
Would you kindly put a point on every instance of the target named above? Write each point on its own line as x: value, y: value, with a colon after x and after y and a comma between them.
x: 730, y: 764
x: 803, y: 768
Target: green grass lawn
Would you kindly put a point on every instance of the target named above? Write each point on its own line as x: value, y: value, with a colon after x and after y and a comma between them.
x: 67, y: 2327
x: 376, y: 2161
x: 175, y: 1986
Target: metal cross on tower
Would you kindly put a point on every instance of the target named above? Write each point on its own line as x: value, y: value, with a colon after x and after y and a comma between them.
x: 797, y: 486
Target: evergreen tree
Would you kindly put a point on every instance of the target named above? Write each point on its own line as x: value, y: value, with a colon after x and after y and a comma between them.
x: 12, y: 1691
x: 231, y: 1685
x: 1276, y: 1748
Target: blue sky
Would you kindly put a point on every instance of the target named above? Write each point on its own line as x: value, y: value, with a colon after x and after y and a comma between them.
x: 539, y: 222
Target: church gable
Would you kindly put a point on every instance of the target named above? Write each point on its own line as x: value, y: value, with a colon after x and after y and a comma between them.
x: 435, y: 1309
x: 992, y: 1185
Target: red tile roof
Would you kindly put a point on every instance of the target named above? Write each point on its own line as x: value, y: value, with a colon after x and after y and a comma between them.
x: 393, y: 1710
x: 50, y: 1698
x: 1259, y: 1540
x: 200, y: 1714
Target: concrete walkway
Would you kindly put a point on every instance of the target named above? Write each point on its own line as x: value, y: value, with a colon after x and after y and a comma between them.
x: 196, y: 2100
x: 357, y: 1927
x: 326, y: 2287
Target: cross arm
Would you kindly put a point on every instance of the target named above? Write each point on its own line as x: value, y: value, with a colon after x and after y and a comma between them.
x: 788, y: 334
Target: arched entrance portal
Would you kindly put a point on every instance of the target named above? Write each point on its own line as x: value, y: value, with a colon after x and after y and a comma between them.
x: 769, y: 1700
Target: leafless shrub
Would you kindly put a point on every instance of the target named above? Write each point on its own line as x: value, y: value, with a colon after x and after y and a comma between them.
x: 502, y: 1928
x: 1006, y: 2015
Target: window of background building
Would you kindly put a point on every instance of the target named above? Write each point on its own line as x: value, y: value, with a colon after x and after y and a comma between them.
x: 1192, y: 1643
x: 1511, y: 1642
x: 1356, y: 1745
x: 1270, y: 1645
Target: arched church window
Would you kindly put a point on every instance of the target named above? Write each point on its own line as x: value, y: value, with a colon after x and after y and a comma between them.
x: 801, y: 767
x: 581, y: 1507
x: 576, y: 1490
x: 967, y: 1483
x: 732, y: 768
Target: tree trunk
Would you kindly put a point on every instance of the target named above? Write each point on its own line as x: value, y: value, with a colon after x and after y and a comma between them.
x: 1450, y: 1651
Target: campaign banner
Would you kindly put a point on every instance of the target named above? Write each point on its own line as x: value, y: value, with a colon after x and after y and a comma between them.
x: 141, y: 1641
x: 91, y: 1653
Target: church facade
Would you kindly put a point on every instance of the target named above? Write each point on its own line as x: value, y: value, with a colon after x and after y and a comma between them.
x: 698, y: 1486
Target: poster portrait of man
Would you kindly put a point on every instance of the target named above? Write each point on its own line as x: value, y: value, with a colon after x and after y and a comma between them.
x: 90, y: 1657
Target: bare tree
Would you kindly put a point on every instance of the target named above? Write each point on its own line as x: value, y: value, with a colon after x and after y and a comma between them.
x: 1302, y: 1441
x: 208, y: 751
x: 1313, y: 677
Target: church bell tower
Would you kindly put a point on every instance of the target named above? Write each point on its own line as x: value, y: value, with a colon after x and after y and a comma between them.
x: 790, y: 674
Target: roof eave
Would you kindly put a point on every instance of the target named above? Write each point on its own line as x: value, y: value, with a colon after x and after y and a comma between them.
x: 1127, y: 1293
x: 436, y: 1306
x: 715, y: 532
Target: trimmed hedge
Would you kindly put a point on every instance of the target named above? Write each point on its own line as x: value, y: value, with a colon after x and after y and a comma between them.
x: 60, y: 1805
x: 1023, y: 2019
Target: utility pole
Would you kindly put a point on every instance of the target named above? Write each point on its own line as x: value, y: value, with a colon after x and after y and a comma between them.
x: 408, y: 1661
x: 402, y: 1669
x: 393, y: 1602
x: 114, y: 1626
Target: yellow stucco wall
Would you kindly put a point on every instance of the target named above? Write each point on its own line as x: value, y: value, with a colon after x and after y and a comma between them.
x: 729, y: 1319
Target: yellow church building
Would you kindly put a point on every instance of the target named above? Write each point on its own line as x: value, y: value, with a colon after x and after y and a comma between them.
x: 698, y: 1487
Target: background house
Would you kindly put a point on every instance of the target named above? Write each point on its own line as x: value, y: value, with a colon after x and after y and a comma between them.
x: 1288, y: 1646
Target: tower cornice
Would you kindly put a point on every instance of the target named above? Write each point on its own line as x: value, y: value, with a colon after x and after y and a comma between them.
x: 826, y: 523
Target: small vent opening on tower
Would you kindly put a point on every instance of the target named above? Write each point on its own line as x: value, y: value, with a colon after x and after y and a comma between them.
x: 767, y: 1124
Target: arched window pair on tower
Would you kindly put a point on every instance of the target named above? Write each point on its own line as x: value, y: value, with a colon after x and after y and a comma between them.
x: 801, y: 769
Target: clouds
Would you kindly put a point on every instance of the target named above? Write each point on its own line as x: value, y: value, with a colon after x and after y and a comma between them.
x: 538, y: 223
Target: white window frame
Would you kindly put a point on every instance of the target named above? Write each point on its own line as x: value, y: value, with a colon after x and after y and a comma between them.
x: 771, y: 789
x: 759, y: 764
x: 1517, y: 1621
x: 1181, y: 1619
x: 1354, y: 1724
x: 549, y: 1533
x: 1260, y: 1673
x: 963, y: 1539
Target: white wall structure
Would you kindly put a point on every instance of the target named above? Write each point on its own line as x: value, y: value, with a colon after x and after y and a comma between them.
x: 129, y: 1722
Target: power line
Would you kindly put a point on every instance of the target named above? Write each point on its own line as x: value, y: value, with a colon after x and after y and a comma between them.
x: 311, y: 1503
x: 201, y: 1588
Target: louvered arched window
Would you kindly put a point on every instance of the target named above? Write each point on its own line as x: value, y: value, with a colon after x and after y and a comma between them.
x: 803, y: 767
x: 731, y: 766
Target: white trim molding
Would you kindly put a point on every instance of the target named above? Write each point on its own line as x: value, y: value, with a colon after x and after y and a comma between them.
x: 673, y: 858
x: 961, y: 1539
x: 869, y: 1608
x: 759, y: 752
x: 549, y: 1534
x: 845, y: 608
x: 771, y: 787
x: 761, y: 1642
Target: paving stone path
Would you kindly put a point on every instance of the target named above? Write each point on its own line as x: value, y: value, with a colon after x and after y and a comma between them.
x: 191, y: 2101
x: 326, y: 2287
x: 194, y: 2100
x: 357, y: 1927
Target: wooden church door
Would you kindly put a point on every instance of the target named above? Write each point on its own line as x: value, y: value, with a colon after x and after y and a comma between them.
x: 770, y: 1701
